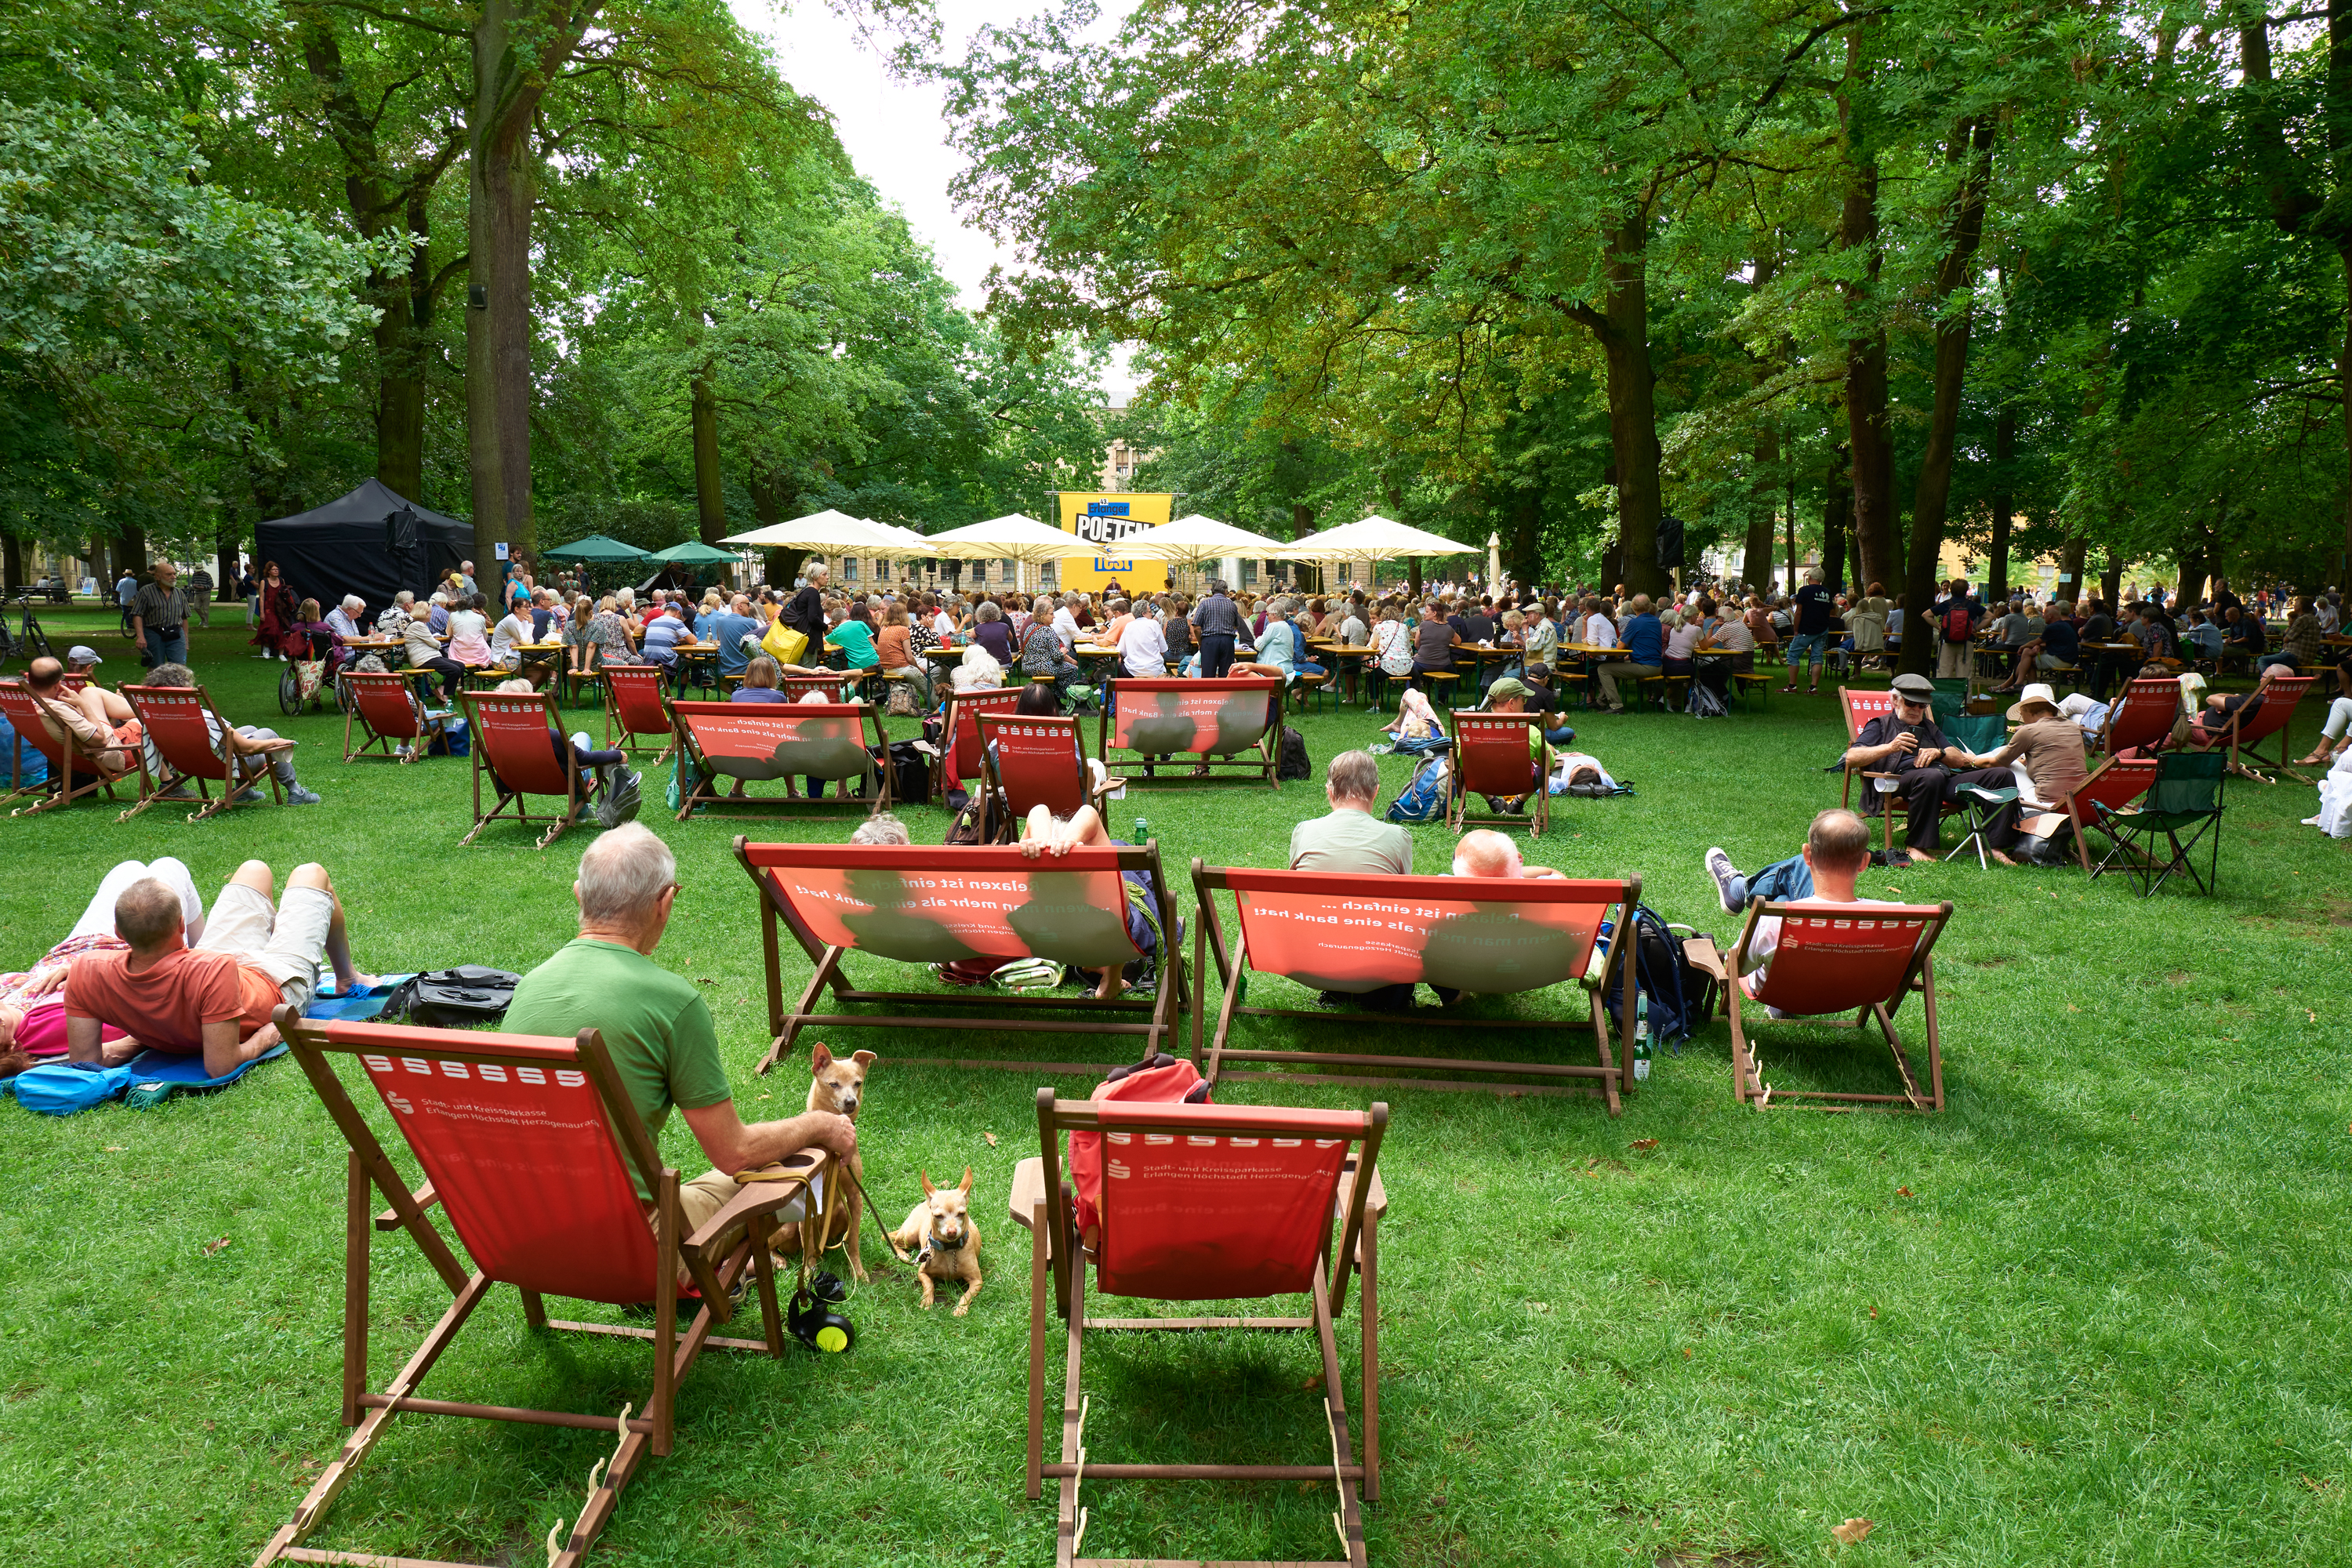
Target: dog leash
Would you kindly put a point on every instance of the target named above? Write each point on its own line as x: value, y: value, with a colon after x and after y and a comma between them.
x: 744, y: 1178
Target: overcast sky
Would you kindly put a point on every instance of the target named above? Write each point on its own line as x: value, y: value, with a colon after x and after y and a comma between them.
x: 893, y: 127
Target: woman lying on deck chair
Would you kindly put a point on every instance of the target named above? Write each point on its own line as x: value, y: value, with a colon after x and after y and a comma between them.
x: 1043, y: 833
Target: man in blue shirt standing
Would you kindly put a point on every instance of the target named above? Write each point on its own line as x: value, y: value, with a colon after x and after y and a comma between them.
x: 730, y: 630
x: 1645, y: 650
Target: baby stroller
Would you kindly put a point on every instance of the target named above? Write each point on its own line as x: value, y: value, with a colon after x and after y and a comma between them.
x: 319, y: 654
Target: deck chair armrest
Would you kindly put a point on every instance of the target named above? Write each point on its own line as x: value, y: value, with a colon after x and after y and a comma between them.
x: 1028, y: 1190
x: 762, y: 1197
x: 1706, y: 956
x: 424, y: 1197
x: 1376, y: 1202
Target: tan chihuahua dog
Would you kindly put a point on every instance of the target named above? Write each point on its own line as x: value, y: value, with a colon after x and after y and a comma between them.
x: 836, y: 1084
x: 945, y: 1242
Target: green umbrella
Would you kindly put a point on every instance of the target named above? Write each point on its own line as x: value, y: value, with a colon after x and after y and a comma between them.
x: 694, y: 553
x: 596, y: 547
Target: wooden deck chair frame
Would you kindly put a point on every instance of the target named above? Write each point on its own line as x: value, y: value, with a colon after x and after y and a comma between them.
x: 70, y: 778
x: 1156, y: 1019
x: 1257, y: 760
x: 702, y: 779
x: 843, y: 686
x: 2115, y: 784
x: 161, y: 709
x: 490, y: 712
x: 1611, y: 1078
x: 2127, y: 829
x: 2258, y: 721
x: 1000, y: 796
x: 963, y: 759
x: 1917, y: 974
x: 360, y: 690
x: 1044, y: 1201
x: 1472, y: 727
x: 2142, y: 716
x: 716, y: 1258
x: 627, y: 688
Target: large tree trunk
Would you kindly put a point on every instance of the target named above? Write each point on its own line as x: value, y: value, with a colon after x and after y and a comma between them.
x: 1755, y: 560
x: 12, y: 563
x: 2004, y: 503
x: 131, y: 549
x: 709, y: 495
x: 224, y: 547
x: 1622, y: 326
x: 1971, y: 147
x: 516, y: 52
x: 771, y: 493
x: 1868, y: 439
x: 1306, y: 574
x: 401, y: 350
x: 100, y: 567
x: 1837, y: 509
x: 2070, y: 571
x: 2111, y: 583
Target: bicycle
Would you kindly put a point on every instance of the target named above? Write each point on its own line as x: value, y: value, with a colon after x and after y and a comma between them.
x: 31, y: 642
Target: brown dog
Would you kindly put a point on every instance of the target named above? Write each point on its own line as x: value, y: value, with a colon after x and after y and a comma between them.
x: 836, y: 1084
x: 945, y: 1242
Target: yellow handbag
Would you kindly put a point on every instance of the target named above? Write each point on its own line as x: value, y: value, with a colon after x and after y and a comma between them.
x: 783, y: 642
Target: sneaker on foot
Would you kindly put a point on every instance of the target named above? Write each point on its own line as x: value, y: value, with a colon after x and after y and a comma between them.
x: 1719, y: 867
x: 178, y: 792
x: 247, y: 796
x: 296, y: 795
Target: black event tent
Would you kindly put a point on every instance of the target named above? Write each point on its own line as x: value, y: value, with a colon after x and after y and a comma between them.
x: 353, y: 545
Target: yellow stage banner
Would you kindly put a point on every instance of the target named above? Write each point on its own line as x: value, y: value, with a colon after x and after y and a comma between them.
x: 1101, y: 521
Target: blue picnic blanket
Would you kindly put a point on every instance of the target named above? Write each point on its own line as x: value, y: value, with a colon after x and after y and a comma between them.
x: 145, y: 1082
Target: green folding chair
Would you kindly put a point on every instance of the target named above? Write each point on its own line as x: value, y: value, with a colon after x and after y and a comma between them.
x: 2186, y: 798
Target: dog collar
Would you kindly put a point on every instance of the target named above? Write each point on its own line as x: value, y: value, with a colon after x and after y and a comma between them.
x: 939, y: 1246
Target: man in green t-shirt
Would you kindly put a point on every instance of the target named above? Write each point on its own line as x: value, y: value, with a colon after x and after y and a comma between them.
x: 655, y: 1024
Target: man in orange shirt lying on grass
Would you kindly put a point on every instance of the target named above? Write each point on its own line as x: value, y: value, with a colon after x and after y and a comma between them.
x: 214, y: 999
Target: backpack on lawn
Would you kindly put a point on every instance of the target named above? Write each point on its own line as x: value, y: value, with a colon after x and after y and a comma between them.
x: 456, y: 998
x: 1423, y: 800
x: 1681, y: 996
x: 1705, y: 701
x: 1294, y: 763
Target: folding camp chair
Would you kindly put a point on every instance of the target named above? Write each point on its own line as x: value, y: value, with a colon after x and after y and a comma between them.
x: 1231, y: 724
x: 529, y: 1145
x: 2141, y: 717
x: 919, y: 905
x: 182, y: 723
x: 2119, y: 782
x: 70, y: 778
x: 2184, y: 797
x: 1982, y: 804
x: 1358, y: 932
x: 635, y: 705
x: 759, y: 741
x: 2258, y: 721
x: 1491, y: 757
x: 1834, y: 959
x: 516, y: 742
x: 1202, y: 1202
x: 388, y: 711
x: 1031, y: 761
x: 964, y: 708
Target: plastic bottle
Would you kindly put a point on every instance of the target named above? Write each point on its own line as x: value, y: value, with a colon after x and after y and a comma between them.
x: 1641, y: 1035
x: 1143, y: 831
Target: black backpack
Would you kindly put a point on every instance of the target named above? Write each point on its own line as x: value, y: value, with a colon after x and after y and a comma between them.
x: 1681, y: 996
x: 1294, y: 763
x: 453, y: 998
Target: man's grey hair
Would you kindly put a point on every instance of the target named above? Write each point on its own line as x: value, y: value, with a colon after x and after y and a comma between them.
x: 1354, y: 775
x: 623, y: 874
x: 405, y: 598
x: 885, y: 828
x: 354, y: 603
x: 147, y: 912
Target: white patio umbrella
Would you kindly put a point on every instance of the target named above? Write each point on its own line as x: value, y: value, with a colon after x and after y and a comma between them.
x: 1012, y: 537
x: 1375, y: 538
x: 826, y: 532
x: 1190, y: 540
x: 1493, y: 560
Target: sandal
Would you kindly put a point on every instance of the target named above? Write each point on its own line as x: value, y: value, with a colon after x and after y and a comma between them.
x: 2313, y: 761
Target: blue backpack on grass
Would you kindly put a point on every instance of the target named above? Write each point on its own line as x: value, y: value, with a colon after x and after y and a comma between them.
x: 1423, y: 800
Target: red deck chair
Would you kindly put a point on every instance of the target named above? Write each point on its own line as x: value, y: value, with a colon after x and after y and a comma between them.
x: 2142, y: 717
x: 1032, y: 760
x: 1491, y: 757
x: 2258, y: 721
x: 634, y: 705
x: 388, y: 712
x: 1835, y: 959
x: 511, y: 745
x: 831, y: 688
x: 1229, y: 724
x: 24, y: 715
x: 529, y: 1145
x: 1357, y: 932
x: 1861, y: 707
x: 180, y: 722
x: 1203, y: 1202
x: 756, y: 741
x: 929, y: 905
x: 965, y: 709
x: 2119, y: 782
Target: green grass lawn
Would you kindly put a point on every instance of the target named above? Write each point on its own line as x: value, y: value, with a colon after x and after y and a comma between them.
x: 2095, y: 1313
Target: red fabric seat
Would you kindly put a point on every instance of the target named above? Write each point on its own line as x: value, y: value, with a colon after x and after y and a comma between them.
x: 179, y: 722
x: 387, y: 710
x: 517, y: 744
x: 1210, y: 721
x: 1491, y: 757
